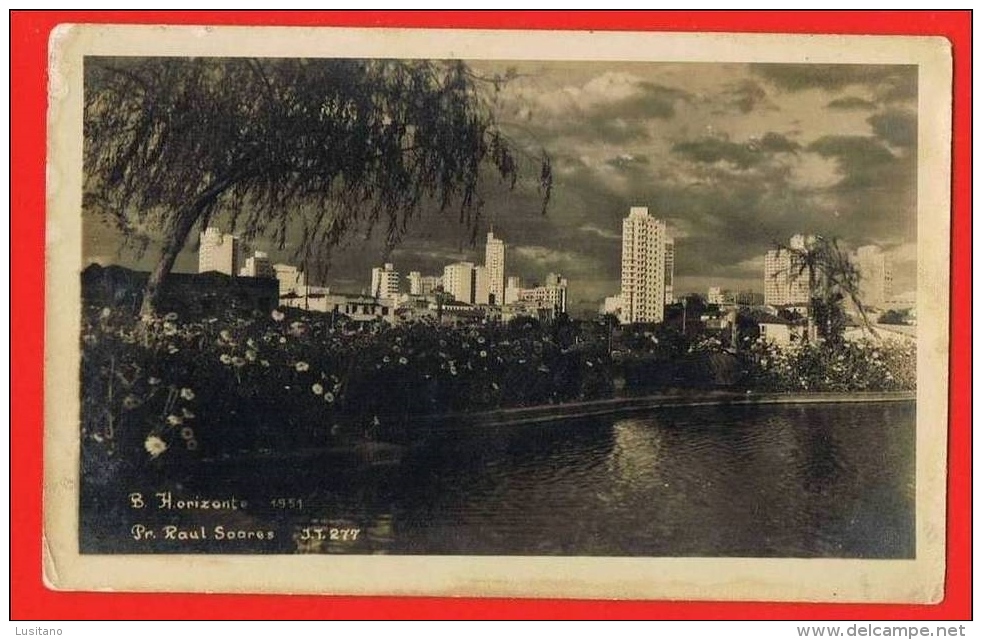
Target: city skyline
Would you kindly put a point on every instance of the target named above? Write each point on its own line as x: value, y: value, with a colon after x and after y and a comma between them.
x: 733, y: 157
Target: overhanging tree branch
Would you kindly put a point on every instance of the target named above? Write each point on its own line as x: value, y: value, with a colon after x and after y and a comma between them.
x: 374, y: 141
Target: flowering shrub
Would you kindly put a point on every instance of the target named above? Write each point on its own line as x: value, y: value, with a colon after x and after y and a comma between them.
x: 173, y: 387
x: 864, y: 365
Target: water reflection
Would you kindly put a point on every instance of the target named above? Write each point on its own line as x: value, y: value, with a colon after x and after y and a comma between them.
x: 798, y: 481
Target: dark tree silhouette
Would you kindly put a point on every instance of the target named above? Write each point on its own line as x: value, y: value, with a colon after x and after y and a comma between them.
x: 314, y: 148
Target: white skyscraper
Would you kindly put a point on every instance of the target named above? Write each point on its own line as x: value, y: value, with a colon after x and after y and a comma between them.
x: 458, y: 281
x: 482, y: 290
x: 875, y: 276
x: 218, y: 252
x: 785, y: 281
x: 385, y: 281
x: 643, y: 267
x: 494, y: 262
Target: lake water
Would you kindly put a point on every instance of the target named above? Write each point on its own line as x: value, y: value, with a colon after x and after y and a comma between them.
x: 817, y: 480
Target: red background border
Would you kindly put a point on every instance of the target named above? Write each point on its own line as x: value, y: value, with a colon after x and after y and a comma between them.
x: 30, y: 600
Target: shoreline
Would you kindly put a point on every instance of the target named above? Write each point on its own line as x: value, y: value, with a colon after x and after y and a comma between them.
x: 386, y: 450
x: 516, y: 416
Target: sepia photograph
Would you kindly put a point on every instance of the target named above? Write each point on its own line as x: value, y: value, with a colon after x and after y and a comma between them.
x: 665, y: 320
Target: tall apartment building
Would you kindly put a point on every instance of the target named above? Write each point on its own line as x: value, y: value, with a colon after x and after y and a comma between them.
x: 385, y: 281
x: 218, y: 252
x: 458, y: 281
x: 482, y: 285
x: 785, y: 281
x: 258, y: 265
x: 494, y: 262
x: 643, y: 267
x: 875, y: 276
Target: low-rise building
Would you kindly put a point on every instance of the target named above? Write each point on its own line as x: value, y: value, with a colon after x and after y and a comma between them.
x: 258, y: 265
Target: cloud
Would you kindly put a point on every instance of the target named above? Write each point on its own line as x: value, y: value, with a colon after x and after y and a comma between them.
x: 898, y: 127
x: 650, y: 100
x: 603, y: 233
x: 626, y: 160
x: 610, y: 130
x: 747, y: 95
x: 875, y: 198
x: 851, y: 103
x: 859, y: 157
x: 545, y: 256
x: 891, y: 79
x: 713, y: 149
x: 777, y: 143
x: 899, y: 87
x: 615, y: 107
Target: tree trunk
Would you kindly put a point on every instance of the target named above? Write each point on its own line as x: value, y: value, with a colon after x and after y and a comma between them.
x: 174, y: 243
x: 172, y: 246
x: 151, y: 292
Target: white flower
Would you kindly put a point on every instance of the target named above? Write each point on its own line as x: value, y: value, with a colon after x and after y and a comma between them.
x: 302, y: 366
x: 174, y: 420
x: 187, y: 394
x: 328, y: 397
x: 402, y: 360
x: 225, y: 358
x: 317, y: 388
x: 278, y: 315
x: 154, y: 446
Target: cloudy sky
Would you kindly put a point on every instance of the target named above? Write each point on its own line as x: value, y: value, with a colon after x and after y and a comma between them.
x: 735, y: 157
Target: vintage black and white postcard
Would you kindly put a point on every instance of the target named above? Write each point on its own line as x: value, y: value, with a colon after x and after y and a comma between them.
x: 607, y: 315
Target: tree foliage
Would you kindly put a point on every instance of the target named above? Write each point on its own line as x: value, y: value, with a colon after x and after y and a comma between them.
x: 833, y: 280
x: 310, y: 149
